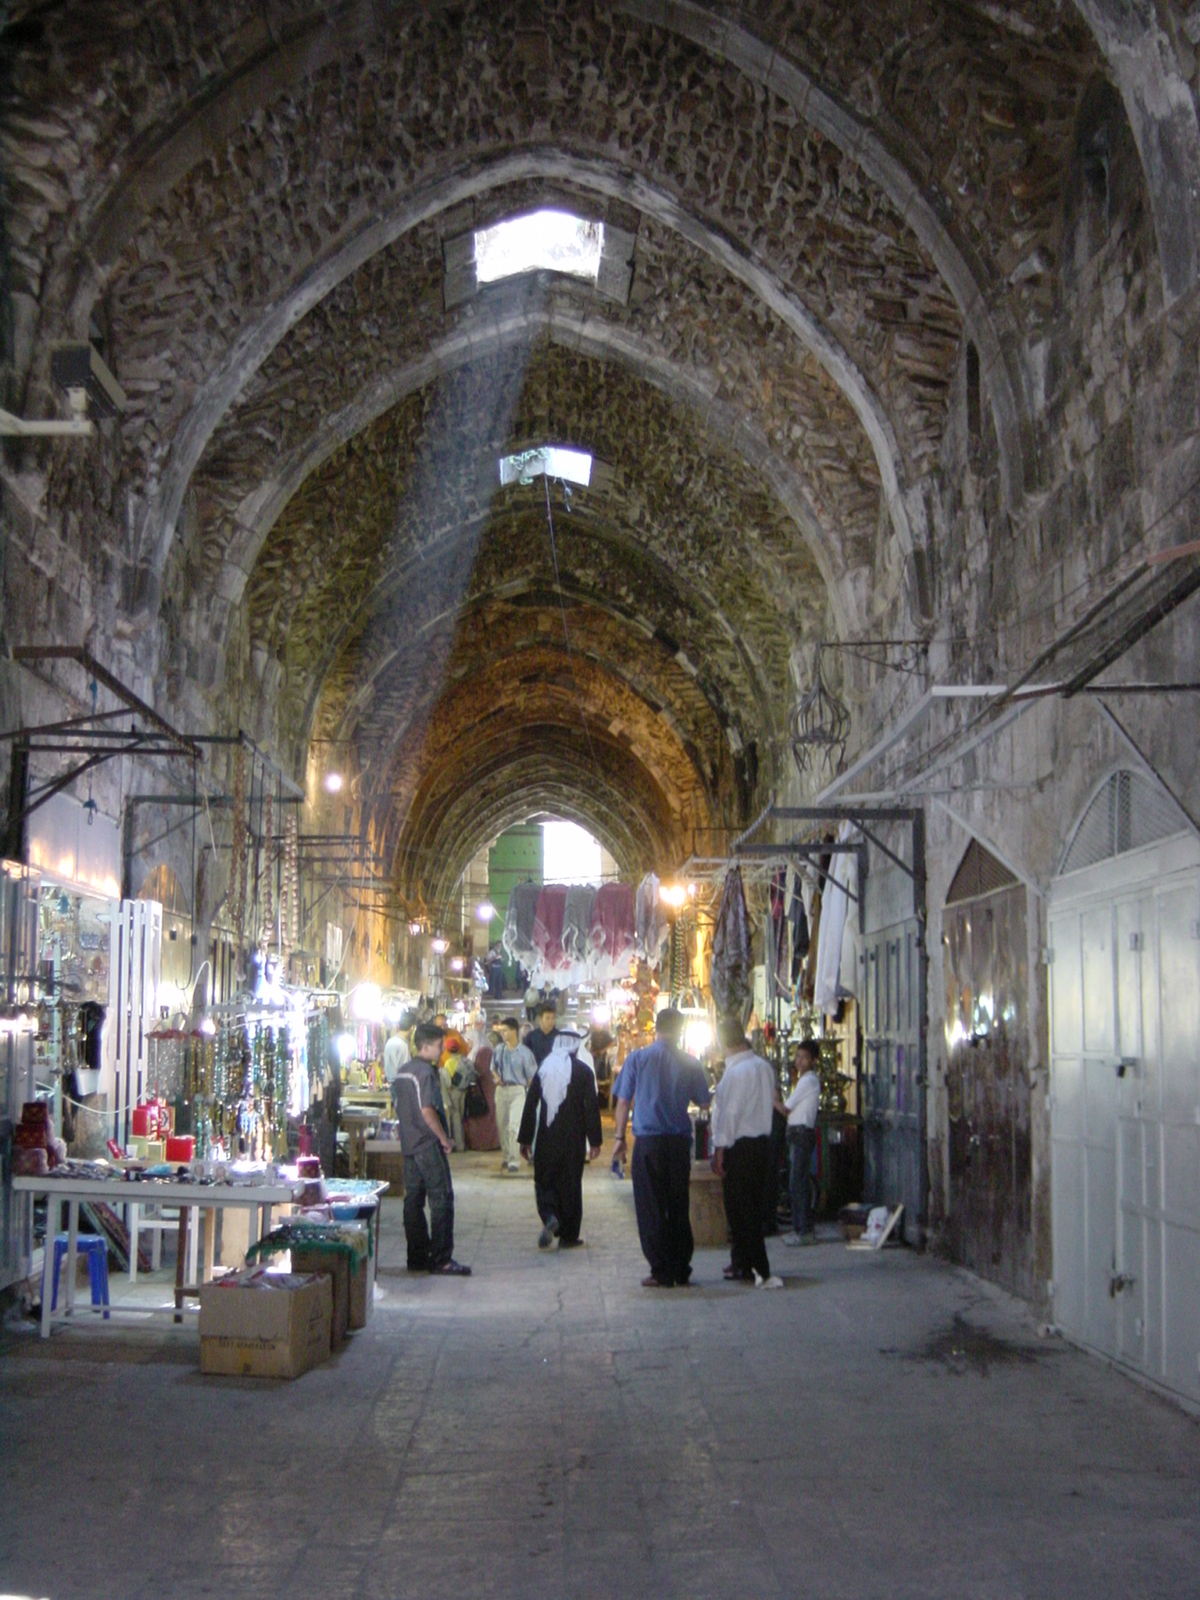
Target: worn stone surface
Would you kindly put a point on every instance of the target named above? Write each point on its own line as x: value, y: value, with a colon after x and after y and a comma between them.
x: 549, y: 1426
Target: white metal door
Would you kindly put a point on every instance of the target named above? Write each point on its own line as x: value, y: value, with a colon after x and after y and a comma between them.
x: 1125, y: 1109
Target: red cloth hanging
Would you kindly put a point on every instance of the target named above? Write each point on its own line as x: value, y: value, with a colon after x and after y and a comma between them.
x: 614, y: 921
x: 548, y: 926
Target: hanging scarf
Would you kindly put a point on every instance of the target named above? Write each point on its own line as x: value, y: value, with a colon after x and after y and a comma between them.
x: 555, y: 1073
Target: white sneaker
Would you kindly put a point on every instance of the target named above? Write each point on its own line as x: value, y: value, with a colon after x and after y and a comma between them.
x: 773, y: 1282
x: 790, y: 1239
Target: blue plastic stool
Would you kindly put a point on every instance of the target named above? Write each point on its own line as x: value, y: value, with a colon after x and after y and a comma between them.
x: 95, y: 1249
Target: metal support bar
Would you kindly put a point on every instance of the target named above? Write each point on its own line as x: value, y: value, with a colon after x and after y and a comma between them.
x: 245, y: 740
x: 84, y: 658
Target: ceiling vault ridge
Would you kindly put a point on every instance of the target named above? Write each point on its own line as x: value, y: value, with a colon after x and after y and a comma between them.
x: 218, y: 393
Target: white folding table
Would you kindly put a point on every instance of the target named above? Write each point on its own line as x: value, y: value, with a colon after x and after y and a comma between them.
x: 258, y: 1198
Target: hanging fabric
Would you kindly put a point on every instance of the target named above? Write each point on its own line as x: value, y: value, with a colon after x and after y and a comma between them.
x: 835, y: 904
x: 653, y: 929
x: 613, y: 934
x: 777, y: 965
x: 731, y: 946
x: 548, y: 926
x: 577, y: 920
x: 798, y: 921
x: 517, y: 939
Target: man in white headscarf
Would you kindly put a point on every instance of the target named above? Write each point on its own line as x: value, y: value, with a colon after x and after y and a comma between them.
x: 560, y: 1129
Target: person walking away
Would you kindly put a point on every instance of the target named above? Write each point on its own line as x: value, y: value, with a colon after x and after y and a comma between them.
x: 661, y: 1082
x: 426, y: 1147
x: 802, y: 1106
x: 560, y: 1129
x: 741, y: 1135
x: 513, y: 1067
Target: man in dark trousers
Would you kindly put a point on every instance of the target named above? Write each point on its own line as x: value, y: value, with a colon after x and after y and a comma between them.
x: 661, y: 1082
x: 741, y: 1132
x: 560, y: 1121
x: 542, y: 1035
x: 426, y: 1146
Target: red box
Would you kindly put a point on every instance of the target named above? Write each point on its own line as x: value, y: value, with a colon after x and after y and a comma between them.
x: 180, y: 1147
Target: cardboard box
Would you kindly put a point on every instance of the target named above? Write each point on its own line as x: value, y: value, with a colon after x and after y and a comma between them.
x: 362, y: 1282
x: 353, y: 1286
x: 335, y: 1270
x: 265, y: 1325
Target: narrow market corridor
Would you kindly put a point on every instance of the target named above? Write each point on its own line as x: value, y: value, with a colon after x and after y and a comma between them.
x: 547, y: 546
x: 888, y: 1426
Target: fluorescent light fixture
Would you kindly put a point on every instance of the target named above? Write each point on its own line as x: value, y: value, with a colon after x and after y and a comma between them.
x: 486, y: 911
x: 333, y: 782
x: 439, y: 946
x: 346, y: 1047
x: 550, y: 461
x: 540, y: 241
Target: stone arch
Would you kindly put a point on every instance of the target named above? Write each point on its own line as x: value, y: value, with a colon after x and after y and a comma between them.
x: 905, y: 501
x: 1162, y: 117
x: 593, y: 337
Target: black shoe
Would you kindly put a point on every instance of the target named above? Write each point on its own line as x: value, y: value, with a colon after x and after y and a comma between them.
x: 450, y: 1269
x: 736, y: 1275
x: 653, y: 1282
x: 548, y: 1234
x: 571, y: 1244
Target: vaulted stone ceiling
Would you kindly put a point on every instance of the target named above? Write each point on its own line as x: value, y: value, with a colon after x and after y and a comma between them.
x: 302, y: 525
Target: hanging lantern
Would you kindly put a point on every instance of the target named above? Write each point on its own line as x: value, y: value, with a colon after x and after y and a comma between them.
x: 819, y: 725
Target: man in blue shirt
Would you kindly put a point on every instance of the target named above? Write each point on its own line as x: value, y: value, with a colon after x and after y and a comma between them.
x: 661, y: 1082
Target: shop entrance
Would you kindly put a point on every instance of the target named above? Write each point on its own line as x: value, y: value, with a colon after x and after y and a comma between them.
x: 987, y: 1080
x: 1125, y: 1083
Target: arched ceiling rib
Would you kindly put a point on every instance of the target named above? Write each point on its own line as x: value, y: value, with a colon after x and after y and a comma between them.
x: 681, y: 517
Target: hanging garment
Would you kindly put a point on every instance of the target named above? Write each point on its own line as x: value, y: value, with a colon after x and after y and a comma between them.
x: 613, y: 932
x: 653, y: 927
x: 833, y: 924
x: 798, y: 918
x: 518, y: 924
x: 548, y: 926
x: 577, y: 921
x: 731, y: 946
x: 778, y: 966
x: 848, y: 965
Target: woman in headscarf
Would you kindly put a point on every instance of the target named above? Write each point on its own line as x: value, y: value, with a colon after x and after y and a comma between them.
x: 560, y: 1122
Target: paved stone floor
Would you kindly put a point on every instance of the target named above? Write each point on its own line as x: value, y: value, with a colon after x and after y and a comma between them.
x: 885, y: 1427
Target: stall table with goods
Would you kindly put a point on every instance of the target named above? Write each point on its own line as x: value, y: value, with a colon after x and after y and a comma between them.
x: 257, y: 1190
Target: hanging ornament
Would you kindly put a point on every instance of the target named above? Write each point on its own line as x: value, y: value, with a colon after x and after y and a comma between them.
x: 237, y: 868
x: 268, y: 914
x: 819, y: 725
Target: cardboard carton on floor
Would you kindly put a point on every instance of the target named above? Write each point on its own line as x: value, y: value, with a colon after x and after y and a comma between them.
x: 362, y: 1282
x: 335, y: 1270
x: 353, y: 1286
x: 265, y: 1325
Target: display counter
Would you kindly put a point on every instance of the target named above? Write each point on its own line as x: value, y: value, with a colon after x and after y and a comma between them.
x: 190, y: 1196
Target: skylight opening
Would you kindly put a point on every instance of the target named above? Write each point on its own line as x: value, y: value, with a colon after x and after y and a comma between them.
x: 550, y: 461
x: 543, y: 241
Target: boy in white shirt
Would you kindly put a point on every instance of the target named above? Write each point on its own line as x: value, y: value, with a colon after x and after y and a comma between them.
x: 802, y: 1106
